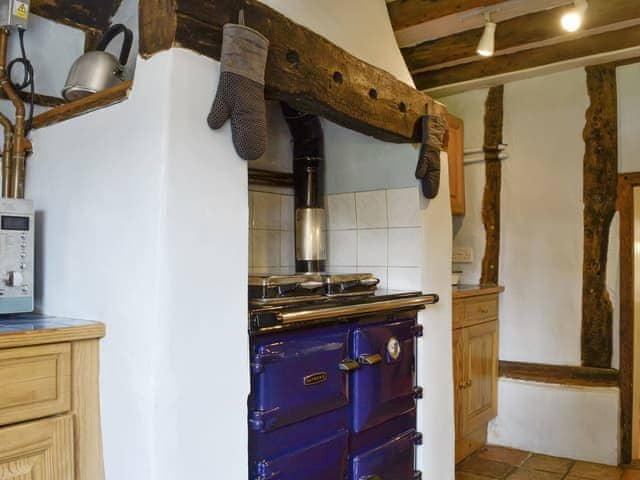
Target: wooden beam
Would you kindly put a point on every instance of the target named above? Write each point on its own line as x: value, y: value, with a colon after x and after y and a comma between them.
x: 407, y: 13
x: 626, y: 184
x: 517, y: 32
x: 270, y: 178
x: 493, y: 120
x: 83, y: 106
x: 600, y: 184
x: 84, y: 14
x: 535, y: 57
x: 560, y: 374
x: 158, y: 23
x: 304, y: 69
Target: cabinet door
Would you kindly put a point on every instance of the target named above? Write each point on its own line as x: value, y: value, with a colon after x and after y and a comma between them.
x: 458, y: 377
x: 480, y: 389
x: 455, y: 151
x: 41, y: 450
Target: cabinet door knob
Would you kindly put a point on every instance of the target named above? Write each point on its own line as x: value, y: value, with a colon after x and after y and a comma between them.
x: 484, y: 310
x: 370, y: 359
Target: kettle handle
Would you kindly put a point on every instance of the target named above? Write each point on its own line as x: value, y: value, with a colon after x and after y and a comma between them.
x: 113, y: 32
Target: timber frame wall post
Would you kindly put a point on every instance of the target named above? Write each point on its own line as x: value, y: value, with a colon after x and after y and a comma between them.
x: 493, y: 121
x: 626, y: 184
x: 600, y: 178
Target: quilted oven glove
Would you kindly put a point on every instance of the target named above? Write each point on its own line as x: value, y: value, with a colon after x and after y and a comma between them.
x: 240, y: 93
x: 428, y: 169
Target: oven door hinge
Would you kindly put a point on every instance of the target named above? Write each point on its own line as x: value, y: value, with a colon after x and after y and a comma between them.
x: 417, y: 475
x: 417, y: 438
x: 418, y: 393
x: 264, y: 472
x: 262, y: 358
x: 417, y: 330
x: 260, y: 420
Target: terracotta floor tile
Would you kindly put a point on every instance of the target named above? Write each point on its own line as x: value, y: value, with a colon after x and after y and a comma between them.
x: 524, y: 474
x: 631, y: 475
x: 488, y: 468
x: 503, y: 454
x: 546, y: 463
x: 592, y: 471
x: 471, y: 476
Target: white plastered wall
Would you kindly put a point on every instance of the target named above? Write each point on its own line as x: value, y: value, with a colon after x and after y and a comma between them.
x: 541, y: 265
x: 142, y: 214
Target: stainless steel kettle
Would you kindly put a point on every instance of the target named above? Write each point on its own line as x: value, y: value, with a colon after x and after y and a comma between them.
x: 99, y: 70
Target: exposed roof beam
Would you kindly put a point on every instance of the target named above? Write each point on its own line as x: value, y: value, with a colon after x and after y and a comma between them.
x: 517, y: 34
x: 83, y: 14
x: 406, y: 13
x: 471, y: 20
x: 626, y: 39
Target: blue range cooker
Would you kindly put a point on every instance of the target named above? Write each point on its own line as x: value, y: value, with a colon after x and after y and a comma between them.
x: 333, y: 379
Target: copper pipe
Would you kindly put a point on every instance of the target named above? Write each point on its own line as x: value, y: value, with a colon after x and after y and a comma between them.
x: 20, y: 143
x: 6, y: 154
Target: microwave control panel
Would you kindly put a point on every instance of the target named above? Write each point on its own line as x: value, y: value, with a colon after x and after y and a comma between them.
x: 17, y: 245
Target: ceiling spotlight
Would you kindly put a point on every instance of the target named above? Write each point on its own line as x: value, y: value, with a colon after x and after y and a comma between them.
x: 572, y: 20
x: 487, y: 45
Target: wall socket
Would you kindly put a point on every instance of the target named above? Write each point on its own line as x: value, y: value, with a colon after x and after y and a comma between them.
x: 462, y: 255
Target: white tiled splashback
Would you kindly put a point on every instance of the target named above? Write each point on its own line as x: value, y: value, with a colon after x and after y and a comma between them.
x: 379, y: 232
x: 271, y: 231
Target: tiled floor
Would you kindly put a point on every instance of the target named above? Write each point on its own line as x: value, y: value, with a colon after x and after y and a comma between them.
x: 497, y: 463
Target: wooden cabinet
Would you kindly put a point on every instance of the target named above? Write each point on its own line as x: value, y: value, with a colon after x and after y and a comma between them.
x: 475, y: 367
x: 455, y: 150
x: 49, y: 401
x: 41, y: 450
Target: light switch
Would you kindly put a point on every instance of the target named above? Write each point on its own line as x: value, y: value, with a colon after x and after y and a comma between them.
x: 462, y: 255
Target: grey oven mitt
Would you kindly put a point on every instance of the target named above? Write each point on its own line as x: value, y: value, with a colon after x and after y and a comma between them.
x: 434, y: 129
x: 240, y: 93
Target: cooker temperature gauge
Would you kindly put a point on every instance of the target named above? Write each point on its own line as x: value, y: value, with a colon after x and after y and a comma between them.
x: 394, y: 349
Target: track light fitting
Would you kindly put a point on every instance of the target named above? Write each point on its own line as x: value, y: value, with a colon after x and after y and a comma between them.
x: 487, y: 45
x: 572, y: 20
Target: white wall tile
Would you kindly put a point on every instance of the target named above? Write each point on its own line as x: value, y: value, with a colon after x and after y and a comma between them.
x: 342, y: 269
x: 372, y: 247
x: 371, y: 209
x: 403, y: 207
x: 341, y: 211
x: 404, y: 247
x: 342, y: 248
x: 378, y: 272
x: 287, y: 214
x: 266, y: 211
x: 404, y: 278
x: 266, y: 248
x: 287, y: 249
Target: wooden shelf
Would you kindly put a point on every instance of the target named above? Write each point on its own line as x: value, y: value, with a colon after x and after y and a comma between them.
x: 83, y: 106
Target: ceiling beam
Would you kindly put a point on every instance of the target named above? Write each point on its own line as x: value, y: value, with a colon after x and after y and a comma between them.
x: 516, y: 32
x: 407, y: 13
x: 303, y: 69
x: 83, y: 14
x: 611, y: 41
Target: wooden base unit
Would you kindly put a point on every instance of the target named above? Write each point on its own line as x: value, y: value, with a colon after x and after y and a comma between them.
x: 52, y: 388
x: 475, y: 369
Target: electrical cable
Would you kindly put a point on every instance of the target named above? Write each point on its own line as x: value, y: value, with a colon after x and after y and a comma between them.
x: 28, y: 79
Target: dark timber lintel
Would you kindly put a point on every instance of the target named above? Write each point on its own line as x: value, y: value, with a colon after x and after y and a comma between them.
x: 304, y: 69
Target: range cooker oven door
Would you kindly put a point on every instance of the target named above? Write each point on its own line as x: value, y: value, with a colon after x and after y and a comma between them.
x: 383, y: 387
x: 393, y: 460
x: 297, y: 376
x: 325, y: 460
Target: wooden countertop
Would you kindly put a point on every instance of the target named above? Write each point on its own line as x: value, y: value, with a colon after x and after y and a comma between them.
x: 32, y: 329
x: 466, y: 291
